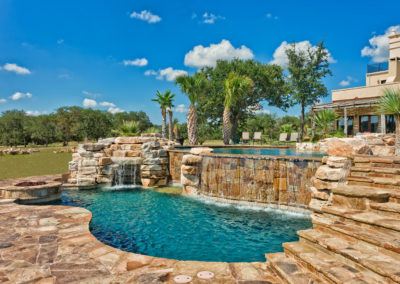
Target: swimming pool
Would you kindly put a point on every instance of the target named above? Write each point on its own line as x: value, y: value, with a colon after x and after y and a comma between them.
x: 179, y: 227
x: 264, y: 151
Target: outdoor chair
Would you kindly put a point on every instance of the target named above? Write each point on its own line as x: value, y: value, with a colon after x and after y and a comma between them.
x: 283, y: 137
x: 245, y: 137
x: 294, y: 137
x: 257, y: 137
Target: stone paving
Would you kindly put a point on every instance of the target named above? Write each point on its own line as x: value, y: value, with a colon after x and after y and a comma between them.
x: 53, y: 244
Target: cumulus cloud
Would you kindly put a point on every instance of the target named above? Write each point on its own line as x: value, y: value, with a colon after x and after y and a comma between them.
x: 32, y: 112
x: 181, y: 108
x: 19, y: 95
x: 91, y: 95
x: 136, y: 62
x: 168, y: 74
x: 2, y: 101
x: 379, y: 46
x: 280, y: 57
x: 202, y: 56
x: 210, y: 18
x: 146, y: 16
x: 270, y: 16
x: 262, y: 111
x: 112, y: 108
x: 12, y: 67
x: 348, y: 81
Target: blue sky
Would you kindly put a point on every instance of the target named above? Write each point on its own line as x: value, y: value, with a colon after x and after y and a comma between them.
x: 74, y: 52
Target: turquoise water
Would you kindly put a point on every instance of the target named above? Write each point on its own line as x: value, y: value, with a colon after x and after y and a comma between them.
x: 183, y: 228
x: 265, y: 151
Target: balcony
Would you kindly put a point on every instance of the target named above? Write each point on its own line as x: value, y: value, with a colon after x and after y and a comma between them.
x: 378, y: 67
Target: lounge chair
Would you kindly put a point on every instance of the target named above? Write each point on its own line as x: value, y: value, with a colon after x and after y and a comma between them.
x: 245, y: 137
x: 294, y: 137
x: 257, y: 136
x: 283, y: 137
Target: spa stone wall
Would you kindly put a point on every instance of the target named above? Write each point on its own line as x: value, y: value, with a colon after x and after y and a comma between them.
x: 264, y: 179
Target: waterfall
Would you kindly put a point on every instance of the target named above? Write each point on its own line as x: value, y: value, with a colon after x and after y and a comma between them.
x: 126, y: 173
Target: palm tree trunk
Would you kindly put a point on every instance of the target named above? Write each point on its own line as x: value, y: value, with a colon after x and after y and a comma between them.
x: 164, y: 123
x: 226, y: 128
x: 171, y: 132
x: 397, y: 143
x: 192, y: 125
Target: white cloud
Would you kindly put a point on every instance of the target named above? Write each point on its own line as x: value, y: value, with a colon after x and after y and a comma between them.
x: 12, y: 67
x: 280, y: 57
x: 106, y: 104
x: 202, y: 56
x: 379, y: 46
x: 262, y: 111
x: 2, y: 101
x: 168, y: 74
x: 137, y: 62
x: 89, y: 103
x: 270, y: 16
x: 146, y: 16
x: 181, y: 108
x: 60, y: 41
x: 32, y: 112
x: 210, y: 18
x: 18, y: 95
x: 115, y: 110
x: 91, y: 95
x: 348, y: 81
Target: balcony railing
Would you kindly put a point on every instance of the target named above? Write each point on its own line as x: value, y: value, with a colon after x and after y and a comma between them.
x: 378, y: 67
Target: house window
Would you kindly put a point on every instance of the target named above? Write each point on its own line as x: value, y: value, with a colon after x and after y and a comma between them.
x: 350, y: 122
x: 383, y: 82
x: 369, y: 123
x: 390, y: 123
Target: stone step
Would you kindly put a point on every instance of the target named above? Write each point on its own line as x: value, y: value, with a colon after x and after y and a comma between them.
x: 290, y: 271
x: 387, y: 239
x: 387, y: 207
x: 375, y: 172
x: 383, y: 183
x: 384, y: 265
x: 367, y: 217
x: 362, y: 192
x: 323, y: 263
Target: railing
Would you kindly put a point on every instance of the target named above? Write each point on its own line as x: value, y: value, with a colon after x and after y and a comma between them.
x: 372, y: 68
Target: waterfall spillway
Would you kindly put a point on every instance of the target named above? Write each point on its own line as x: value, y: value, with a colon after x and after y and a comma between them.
x: 127, y: 172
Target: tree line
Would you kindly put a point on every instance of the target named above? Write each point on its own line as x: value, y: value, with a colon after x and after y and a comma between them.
x: 64, y: 125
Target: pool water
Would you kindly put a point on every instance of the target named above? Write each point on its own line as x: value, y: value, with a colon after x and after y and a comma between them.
x: 179, y: 227
x: 265, y: 151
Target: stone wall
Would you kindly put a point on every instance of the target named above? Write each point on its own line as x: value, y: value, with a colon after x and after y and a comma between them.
x: 175, y: 164
x: 121, y: 160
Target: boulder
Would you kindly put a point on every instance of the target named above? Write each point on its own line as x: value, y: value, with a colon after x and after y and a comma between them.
x: 89, y: 163
x: 146, y: 147
x: 105, y: 161
x: 93, y: 147
x: 85, y: 181
x: 343, y: 147
x: 151, y: 168
x: 191, y: 180
x: 119, y: 153
x: 336, y: 162
x: 389, y: 140
x: 201, y: 150
x: 190, y: 190
x: 188, y: 170
x: 106, y: 141
x: 383, y: 150
x: 190, y: 159
x: 327, y: 173
x: 127, y: 140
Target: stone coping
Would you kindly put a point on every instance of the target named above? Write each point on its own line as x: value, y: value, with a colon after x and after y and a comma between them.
x: 279, y: 146
x: 53, y: 244
x: 262, y: 157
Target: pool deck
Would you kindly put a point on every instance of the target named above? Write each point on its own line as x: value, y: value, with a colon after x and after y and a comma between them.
x: 53, y: 244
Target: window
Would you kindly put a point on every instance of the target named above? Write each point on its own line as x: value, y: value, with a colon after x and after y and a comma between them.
x: 350, y: 122
x: 383, y: 82
x: 390, y: 123
x: 369, y: 123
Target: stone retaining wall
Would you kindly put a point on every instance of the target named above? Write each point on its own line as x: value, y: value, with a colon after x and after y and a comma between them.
x: 175, y: 164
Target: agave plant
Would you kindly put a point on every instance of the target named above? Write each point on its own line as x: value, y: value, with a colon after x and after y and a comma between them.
x: 389, y: 103
x: 127, y: 128
x: 235, y: 87
x: 324, y: 120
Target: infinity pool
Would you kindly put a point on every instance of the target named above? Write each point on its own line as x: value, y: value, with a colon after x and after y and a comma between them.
x: 265, y: 151
x: 178, y: 227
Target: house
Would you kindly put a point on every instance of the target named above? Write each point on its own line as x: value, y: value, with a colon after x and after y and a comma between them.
x: 356, y: 107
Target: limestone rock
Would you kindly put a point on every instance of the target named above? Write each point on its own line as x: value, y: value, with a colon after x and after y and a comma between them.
x: 105, y: 161
x: 201, y: 150
x: 89, y: 163
x: 106, y: 141
x: 93, y: 147
x: 321, y: 185
x: 327, y: 173
x: 389, y: 140
x: 146, y: 147
x: 151, y: 167
x: 191, y: 159
x: 336, y: 162
x: 188, y: 170
x: 190, y: 180
x: 127, y: 140
x: 190, y: 190
x: 85, y: 181
x: 383, y: 150
x: 316, y: 205
x: 119, y: 153
x: 343, y: 147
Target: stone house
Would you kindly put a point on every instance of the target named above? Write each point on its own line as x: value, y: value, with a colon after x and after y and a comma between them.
x: 356, y: 106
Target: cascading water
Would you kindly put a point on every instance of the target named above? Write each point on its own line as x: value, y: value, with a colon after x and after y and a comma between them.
x: 126, y: 173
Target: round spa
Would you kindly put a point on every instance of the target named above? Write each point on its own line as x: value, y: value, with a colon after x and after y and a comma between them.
x: 185, y: 228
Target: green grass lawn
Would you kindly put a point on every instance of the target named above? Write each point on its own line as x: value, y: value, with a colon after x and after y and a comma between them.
x: 41, y: 163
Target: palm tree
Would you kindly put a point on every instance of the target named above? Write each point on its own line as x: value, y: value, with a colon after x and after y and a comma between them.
x: 324, y: 120
x: 194, y: 87
x: 165, y: 101
x: 236, y: 87
x: 389, y: 103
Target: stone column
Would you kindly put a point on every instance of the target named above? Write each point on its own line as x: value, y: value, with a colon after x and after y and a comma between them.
x: 345, y: 121
x: 383, y: 124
